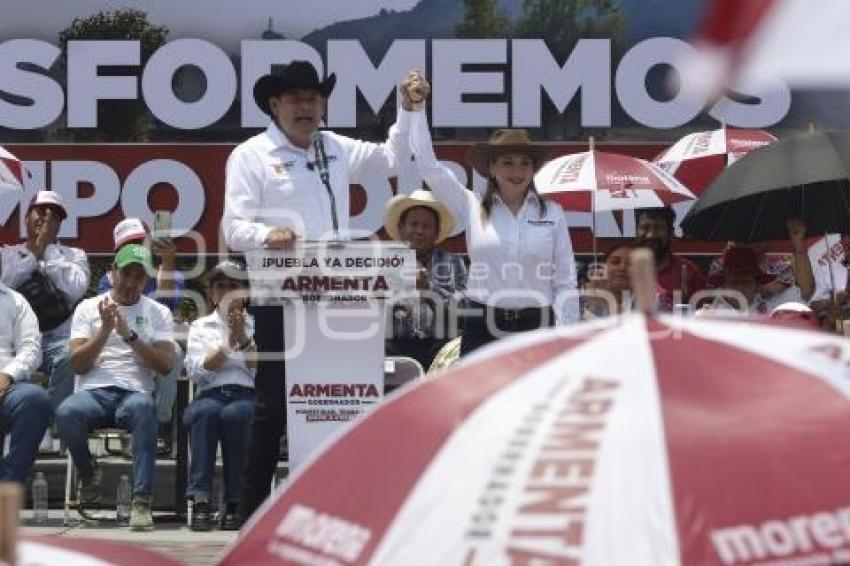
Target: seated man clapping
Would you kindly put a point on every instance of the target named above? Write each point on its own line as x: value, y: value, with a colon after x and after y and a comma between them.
x: 221, y: 360
x: 120, y: 340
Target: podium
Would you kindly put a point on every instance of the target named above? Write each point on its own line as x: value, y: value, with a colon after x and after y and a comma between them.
x: 334, y: 297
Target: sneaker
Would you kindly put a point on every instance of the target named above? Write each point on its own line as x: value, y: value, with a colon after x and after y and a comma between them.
x: 141, y: 517
x: 230, y: 520
x: 202, y: 516
x: 88, y: 487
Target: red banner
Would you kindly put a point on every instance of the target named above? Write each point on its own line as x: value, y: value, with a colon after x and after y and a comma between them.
x: 103, y: 183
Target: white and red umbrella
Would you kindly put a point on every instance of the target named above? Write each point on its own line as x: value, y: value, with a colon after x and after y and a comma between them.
x: 760, y: 43
x: 597, y: 181
x: 11, y: 172
x: 72, y: 551
x: 634, y: 441
x: 698, y: 158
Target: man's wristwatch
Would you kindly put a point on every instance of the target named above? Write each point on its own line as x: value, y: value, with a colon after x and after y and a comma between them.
x: 132, y: 337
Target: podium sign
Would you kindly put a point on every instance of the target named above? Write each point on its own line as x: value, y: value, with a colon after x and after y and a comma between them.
x: 334, y: 316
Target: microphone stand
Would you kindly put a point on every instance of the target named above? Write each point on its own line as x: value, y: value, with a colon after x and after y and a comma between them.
x: 326, y: 181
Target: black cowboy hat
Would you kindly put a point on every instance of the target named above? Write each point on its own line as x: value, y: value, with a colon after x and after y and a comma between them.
x: 296, y: 75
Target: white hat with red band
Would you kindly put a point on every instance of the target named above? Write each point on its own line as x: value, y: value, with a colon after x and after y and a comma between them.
x: 129, y: 230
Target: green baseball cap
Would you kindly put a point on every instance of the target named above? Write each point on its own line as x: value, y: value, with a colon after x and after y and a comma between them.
x: 134, y: 253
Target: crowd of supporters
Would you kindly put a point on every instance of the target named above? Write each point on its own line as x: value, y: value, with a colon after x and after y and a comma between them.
x: 113, y: 359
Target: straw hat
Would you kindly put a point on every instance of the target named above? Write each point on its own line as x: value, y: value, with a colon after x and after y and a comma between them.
x: 400, y: 203
x: 505, y: 141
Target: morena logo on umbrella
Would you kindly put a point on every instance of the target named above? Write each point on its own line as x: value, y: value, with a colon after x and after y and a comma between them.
x: 331, y: 536
x: 821, y: 538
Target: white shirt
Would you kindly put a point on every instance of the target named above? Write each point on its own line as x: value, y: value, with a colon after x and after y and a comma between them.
x: 20, y: 340
x: 66, y: 267
x: 206, y: 335
x: 272, y: 183
x: 516, y: 261
x: 118, y: 365
x: 827, y: 279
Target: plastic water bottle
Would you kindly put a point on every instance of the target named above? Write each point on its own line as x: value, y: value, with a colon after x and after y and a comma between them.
x: 122, y: 500
x: 39, y: 498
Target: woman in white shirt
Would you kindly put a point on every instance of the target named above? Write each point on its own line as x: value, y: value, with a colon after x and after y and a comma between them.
x: 221, y: 361
x: 522, y: 273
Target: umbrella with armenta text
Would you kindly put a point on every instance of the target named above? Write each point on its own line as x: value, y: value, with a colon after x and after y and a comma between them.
x: 634, y: 441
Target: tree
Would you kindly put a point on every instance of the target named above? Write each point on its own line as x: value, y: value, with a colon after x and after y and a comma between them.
x: 563, y: 22
x: 118, y: 120
x: 481, y: 19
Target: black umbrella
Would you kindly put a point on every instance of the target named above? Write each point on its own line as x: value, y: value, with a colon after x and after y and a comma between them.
x: 805, y: 176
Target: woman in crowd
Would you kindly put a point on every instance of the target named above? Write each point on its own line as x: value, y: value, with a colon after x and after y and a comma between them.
x: 608, y: 290
x: 221, y: 361
x: 522, y: 274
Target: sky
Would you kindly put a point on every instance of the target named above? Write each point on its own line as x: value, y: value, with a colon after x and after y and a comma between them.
x: 224, y: 22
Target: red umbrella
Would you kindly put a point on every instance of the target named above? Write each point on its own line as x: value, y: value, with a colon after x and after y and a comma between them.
x: 640, y: 441
x: 67, y: 551
x: 698, y: 158
x: 599, y: 181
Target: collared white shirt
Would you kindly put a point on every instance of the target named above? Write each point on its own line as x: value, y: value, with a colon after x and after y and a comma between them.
x: 517, y: 261
x: 829, y: 276
x: 20, y: 340
x: 206, y: 335
x: 272, y: 183
x: 66, y: 267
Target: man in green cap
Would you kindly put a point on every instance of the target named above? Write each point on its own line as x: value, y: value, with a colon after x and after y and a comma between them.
x: 120, y: 341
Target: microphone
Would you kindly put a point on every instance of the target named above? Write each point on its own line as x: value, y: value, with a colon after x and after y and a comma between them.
x: 321, y: 165
x: 321, y: 162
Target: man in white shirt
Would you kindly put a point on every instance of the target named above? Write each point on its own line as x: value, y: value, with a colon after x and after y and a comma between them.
x: 277, y: 192
x: 53, y: 278
x: 24, y: 407
x: 120, y: 341
x: 167, y: 287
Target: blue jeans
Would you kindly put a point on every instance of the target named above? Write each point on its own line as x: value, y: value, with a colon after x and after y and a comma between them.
x: 107, y: 407
x: 221, y: 413
x: 166, y: 387
x: 56, y: 364
x: 24, y: 415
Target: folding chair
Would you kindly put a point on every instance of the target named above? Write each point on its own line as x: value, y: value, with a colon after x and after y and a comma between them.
x: 71, y: 496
